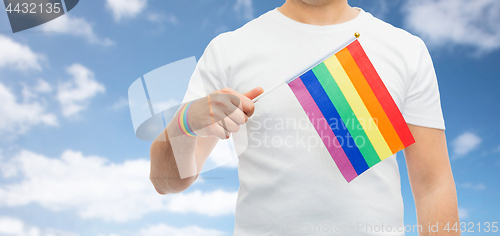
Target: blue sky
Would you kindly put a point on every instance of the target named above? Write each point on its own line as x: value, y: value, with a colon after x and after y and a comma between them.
x: 70, y: 163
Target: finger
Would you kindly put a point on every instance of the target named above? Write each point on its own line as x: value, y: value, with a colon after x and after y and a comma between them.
x: 229, y: 125
x: 238, y: 117
x: 245, y: 98
x: 247, y: 105
x: 254, y: 93
x: 227, y: 133
x: 246, y: 101
x: 224, y: 104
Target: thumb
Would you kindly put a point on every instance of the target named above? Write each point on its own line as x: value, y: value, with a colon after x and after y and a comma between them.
x: 254, y: 93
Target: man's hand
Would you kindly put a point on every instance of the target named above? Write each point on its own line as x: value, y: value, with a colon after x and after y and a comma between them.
x: 177, y: 159
x: 222, y: 112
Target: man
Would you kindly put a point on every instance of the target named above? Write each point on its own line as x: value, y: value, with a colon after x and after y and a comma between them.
x: 294, y: 187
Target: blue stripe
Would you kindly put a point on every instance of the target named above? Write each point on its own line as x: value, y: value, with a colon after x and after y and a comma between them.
x: 330, y: 113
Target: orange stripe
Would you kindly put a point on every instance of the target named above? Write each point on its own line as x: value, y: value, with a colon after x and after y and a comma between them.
x: 381, y: 92
x: 370, y: 100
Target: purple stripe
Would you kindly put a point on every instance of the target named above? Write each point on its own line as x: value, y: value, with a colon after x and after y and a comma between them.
x: 325, y: 132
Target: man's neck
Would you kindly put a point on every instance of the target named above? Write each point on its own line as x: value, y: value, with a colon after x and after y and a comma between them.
x: 319, y: 12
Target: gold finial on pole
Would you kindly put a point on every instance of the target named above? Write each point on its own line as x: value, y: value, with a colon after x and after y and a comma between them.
x: 357, y: 34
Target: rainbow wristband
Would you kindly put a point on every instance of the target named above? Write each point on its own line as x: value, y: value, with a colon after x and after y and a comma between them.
x: 183, y: 120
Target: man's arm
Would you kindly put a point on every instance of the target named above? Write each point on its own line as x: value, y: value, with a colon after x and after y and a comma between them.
x: 431, y: 180
x: 164, y: 173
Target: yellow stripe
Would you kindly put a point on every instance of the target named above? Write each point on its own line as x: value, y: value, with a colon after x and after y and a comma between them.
x: 358, y: 107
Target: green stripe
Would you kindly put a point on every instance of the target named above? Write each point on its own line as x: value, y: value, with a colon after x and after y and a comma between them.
x: 351, y: 121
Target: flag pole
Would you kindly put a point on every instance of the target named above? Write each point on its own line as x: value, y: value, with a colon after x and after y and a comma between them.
x: 356, y: 36
x: 268, y: 91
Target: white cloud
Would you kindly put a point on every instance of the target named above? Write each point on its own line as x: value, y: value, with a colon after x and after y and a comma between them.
x: 162, y: 230
x: 96, y: 188
x: 18, y: 117
x: 11, y: 226
x: 164, y: 105
x: 121, y: 103
x: 43, y: 86
x: 211, y: 204
x: 27, y: 94
x: 465, y: 143
x: 14, y: 55
x: 15, y: 227
x: 476, y: 187
x: 223, y: 154
x: 463, y: 213
x: 160, y: 18
x: 75, y: 26
x: 125, y: 8
x: 244, y: 9
x: 74, y: 95
x: 456, y: 22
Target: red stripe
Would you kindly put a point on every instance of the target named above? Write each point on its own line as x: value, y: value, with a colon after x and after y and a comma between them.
x: 381, y: 92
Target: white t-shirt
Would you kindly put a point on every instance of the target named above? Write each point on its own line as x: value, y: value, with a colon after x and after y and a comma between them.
x: 289, y: 184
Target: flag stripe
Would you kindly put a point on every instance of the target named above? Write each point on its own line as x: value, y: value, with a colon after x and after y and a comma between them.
x: 381, y: 92
x: 330, y: 112
x: 370, y: 100
x: 337, y: 98
x: 358, y: 107
x: 325, y: 132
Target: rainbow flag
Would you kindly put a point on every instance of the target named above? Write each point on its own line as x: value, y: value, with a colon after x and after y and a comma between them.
x: 352, y: 111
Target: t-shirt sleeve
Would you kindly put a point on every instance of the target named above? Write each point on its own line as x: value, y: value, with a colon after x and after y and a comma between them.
x: 209, y: 74
x: 422, y: 104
